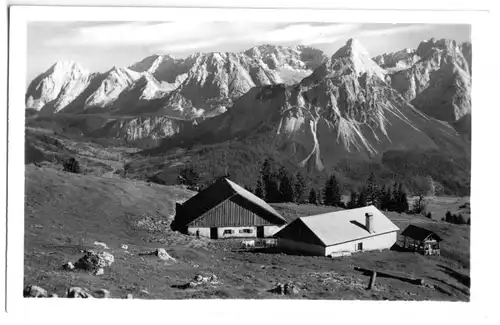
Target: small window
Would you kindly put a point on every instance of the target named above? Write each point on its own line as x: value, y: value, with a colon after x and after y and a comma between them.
x: 246, y: 231
x: 228, y: 231
x: 360, y: 246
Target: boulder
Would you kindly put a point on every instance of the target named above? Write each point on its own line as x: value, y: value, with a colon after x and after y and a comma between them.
x: 68, y: 266
x: 291, y: 289
x: 285, y: 289
x: 163, y: 255
x: 77, y: 292
x: 93, y: 260
x: 99, y: 271
x: 97, y: 243
x: 103, y: 293
x: 33, y: 291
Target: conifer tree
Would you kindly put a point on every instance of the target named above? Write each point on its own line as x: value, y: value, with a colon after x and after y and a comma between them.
x: 259, y: 189
x: 269, y: 182
x: 312, y: 196
x: 286, y: 193
x: 353, y: 200
x: 271, y: 189
x: 318, y: 197
x: 383, y: 198
x: 361, y: 202
x: 402, y: 200
x: 331, y: 192
x: 372, y: 191
x: 299, y: 187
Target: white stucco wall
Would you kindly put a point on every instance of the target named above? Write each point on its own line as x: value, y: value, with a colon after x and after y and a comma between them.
x: 383, y: 241
x: 299, y: 247
x: 270, y: 230
x: 236, y: 233
x: 204, y: 232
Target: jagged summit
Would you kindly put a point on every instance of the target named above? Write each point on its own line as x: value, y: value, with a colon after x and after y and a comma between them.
x: 351, y: 48
x: 353, y: 59
x: 57, y: 86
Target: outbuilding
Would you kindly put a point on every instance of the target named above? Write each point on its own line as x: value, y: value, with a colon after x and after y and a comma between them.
x: 227, y: 210
x: 338, y: 232
x: 421, y: 240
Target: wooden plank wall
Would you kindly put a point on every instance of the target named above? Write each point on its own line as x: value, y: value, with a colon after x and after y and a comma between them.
x: 229, y: 214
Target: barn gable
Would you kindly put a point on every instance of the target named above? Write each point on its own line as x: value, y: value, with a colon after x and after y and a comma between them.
x: 235, y: 212
x: 224, y: 203
x: 298, y: 230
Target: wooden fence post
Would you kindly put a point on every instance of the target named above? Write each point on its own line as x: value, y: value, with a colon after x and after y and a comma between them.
x: 372, y: 280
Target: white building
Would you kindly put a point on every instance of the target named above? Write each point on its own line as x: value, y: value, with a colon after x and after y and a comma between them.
x: 350, y: 231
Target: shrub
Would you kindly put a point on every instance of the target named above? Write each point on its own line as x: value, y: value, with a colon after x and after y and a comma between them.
x: 429, y: 215
x: 71, y: 165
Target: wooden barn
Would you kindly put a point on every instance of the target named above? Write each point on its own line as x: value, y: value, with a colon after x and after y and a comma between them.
x: 421, y: 240
x: 339, y: 232
x: 226, y: 210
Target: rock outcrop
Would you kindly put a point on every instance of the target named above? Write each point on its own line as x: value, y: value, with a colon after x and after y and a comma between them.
x: 57, y: 87
x: 343, y: 109
x: 439, y: 84
x: 33, y: 291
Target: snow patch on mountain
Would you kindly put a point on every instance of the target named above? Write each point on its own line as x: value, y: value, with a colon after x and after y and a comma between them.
x: 58, y: 86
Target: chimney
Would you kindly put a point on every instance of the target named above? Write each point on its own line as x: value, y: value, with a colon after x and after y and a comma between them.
x: 369, y: 222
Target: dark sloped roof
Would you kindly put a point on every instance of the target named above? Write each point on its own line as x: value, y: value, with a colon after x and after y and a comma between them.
x: 419, y: 233
x: 215, y: 194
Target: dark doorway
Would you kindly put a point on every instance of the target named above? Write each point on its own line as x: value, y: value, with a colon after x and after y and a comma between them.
x: 213, y: 233
x: 260, y: 231
x: 360, y: 246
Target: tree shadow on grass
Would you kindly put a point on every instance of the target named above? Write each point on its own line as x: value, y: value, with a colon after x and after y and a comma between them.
x: 462, y: 290
x: 462, y: 278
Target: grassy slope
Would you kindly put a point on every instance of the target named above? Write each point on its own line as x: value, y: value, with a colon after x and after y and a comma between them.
x: 67, y: 212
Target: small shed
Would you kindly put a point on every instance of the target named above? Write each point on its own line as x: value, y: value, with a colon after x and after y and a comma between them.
x: 421, y: 240
x: 227, y: 210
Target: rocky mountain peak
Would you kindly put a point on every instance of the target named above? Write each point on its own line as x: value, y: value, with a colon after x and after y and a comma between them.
x: 57, y: 86
x: 351, y: 59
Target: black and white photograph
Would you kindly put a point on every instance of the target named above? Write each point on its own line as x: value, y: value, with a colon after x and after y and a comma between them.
x: 245, y: 159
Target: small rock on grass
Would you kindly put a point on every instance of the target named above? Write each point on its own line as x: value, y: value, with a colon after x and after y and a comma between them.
x: 125, y: 247
x: 99, y: 271
x: 77, y: 292
x: 97, y: 243
x: 68, y: 266
x: 103, y: 293
x: 33, y: 291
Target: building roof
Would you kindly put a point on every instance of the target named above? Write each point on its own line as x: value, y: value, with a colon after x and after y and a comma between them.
x: 253, y: 198
x: 338, y: 227
x: 217, y: 193
x: 419, y: 233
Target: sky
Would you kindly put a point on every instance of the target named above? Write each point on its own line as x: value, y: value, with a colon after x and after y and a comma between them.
x: 98, y: 46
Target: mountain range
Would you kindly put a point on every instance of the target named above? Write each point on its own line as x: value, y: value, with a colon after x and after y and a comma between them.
x: 296, y: 101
